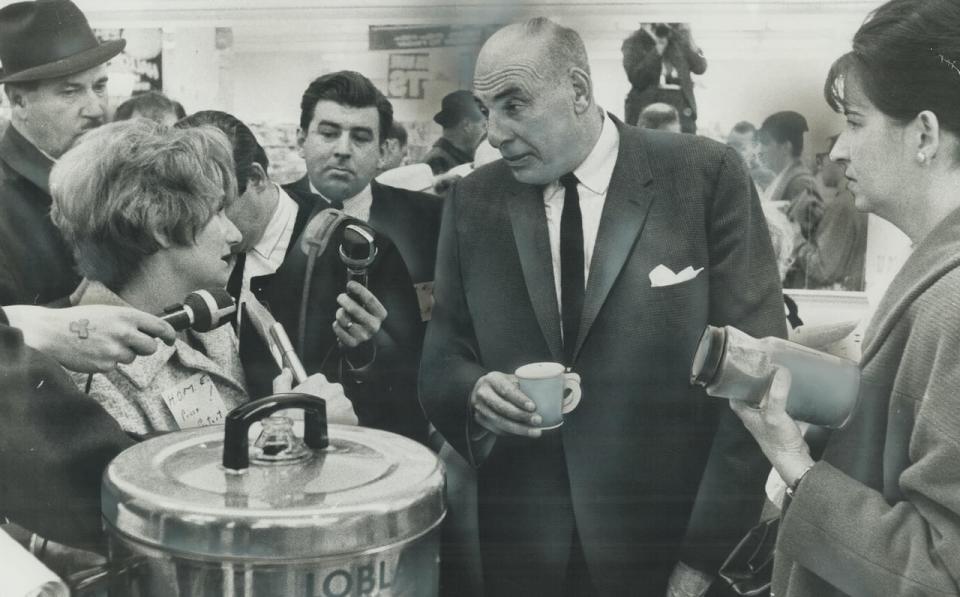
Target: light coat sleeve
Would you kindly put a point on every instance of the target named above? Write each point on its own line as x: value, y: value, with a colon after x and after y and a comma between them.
x: 859, y: 540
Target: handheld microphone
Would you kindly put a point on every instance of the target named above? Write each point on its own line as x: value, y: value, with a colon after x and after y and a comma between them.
x: 319, y: 230
x: 201, y: 311
x: 357, y: 251
x: 313, y: 242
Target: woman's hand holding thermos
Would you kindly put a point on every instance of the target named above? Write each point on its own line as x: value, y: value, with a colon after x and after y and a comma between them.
x: 776, y: 432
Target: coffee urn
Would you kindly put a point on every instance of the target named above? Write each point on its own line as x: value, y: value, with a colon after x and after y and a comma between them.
x: 344, y: 511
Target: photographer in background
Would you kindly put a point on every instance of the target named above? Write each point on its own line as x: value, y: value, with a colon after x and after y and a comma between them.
x: 659, y: 59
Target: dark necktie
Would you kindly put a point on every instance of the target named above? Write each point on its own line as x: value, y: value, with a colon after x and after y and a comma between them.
x: 571, y: 265
x: 235, y: 283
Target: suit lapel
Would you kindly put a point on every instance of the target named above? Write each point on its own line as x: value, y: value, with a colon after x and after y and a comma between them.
x: 381, y: 207
x: 529, y: 222
x: 624, y: 215
x: 26, y: 159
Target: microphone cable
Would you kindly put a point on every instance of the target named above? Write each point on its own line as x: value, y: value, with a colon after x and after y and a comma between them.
x: 331, y: 220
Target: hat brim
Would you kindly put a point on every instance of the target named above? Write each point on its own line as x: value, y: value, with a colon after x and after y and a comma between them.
x: 69, y: 65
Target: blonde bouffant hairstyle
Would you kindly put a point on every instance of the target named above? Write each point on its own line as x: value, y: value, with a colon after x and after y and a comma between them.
x: 127, y: 184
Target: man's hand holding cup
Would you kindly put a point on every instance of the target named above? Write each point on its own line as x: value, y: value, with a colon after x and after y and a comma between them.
x: 532, y: 400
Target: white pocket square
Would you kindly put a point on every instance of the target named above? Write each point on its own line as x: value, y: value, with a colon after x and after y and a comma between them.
x: 664, y: 276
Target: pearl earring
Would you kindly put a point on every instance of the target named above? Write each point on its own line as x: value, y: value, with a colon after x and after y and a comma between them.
x: 921, y: 157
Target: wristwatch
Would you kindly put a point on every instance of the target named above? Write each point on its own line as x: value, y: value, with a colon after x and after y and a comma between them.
x: 792, y: 490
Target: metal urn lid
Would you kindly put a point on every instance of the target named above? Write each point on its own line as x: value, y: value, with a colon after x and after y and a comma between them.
x: 206, y: 492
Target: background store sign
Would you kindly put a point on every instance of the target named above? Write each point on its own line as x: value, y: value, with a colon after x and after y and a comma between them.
x: 407, y: 75
x: 415, y: 37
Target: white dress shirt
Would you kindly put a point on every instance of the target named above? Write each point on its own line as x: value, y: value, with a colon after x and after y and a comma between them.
x: 357, y: 206
x: 767, y: 194
x: 266, y: 256
x: 593, y: 176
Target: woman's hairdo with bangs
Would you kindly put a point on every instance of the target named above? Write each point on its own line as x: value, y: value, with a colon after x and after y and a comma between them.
x: 128, y: 183
x: 906, y: 59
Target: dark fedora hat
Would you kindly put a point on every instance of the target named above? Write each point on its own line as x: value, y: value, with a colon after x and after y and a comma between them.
x: 455, y: 107
x: 46, y: 39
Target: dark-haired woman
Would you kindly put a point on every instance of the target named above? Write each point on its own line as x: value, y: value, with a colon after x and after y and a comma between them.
x: 879, y: 514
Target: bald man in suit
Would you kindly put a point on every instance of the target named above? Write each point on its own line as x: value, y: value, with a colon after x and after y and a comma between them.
x: 648, y: 484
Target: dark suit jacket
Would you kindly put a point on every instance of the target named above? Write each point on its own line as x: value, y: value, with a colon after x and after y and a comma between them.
x: 36, y: 266
x: 54, y: 446
x: 409, y: 218
x: 657, y: 471
x: 258, y: 365
x: 384, y: 395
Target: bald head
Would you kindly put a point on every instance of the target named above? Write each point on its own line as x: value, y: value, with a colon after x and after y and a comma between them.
x: 539, y: 47
x: 533, y: 78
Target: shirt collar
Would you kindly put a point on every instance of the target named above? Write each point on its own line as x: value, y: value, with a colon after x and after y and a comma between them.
x: 364, y: 193
x: 597, y: 169
x: 25, y: 158
x: 47, y: 155
x: 286, y: 209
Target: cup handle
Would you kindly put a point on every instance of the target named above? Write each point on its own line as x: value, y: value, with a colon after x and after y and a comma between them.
x: 571, y: 391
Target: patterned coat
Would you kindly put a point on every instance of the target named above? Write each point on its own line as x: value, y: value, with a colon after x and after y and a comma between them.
x: 132, y: 393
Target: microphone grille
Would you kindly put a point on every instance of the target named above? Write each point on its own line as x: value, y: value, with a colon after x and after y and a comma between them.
x: 357, y: 246
x: 211, y: 307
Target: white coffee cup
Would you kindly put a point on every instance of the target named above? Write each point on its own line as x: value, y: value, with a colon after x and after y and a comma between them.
x: 554, y: 390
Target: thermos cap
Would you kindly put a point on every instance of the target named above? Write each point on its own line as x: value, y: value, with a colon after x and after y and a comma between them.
x: 709, y: 355
x: 368, y: 490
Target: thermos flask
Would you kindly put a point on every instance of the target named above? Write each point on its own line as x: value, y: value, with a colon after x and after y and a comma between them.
x: 731, y: 364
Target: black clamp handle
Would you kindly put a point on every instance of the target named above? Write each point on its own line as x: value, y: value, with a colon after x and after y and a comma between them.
x: 236, y: 444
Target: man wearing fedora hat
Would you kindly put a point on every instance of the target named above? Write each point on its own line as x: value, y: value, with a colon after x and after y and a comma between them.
x: 464, y: 127
x: 54, y: 75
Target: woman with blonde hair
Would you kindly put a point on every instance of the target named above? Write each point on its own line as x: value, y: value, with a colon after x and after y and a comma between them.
x: 142, y: 205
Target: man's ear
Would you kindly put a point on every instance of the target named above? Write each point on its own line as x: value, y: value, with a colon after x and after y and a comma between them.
x: 582, y: 89
x: 18, y: 99
x: 301, y: 139
x: 258, y: 178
